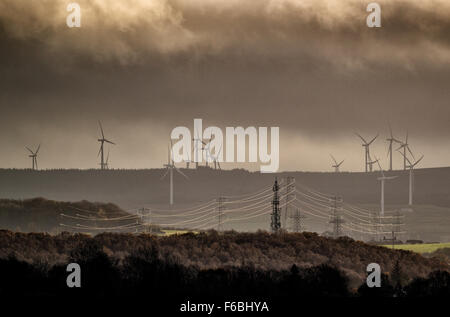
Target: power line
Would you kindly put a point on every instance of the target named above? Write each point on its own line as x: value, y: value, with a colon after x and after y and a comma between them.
x: 220, y: 208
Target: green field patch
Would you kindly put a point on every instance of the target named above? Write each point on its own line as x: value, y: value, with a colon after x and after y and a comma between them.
x: 420, y: 248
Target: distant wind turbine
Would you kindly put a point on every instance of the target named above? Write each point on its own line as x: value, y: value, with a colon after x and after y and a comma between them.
x: 215, y: 158
x: 336, y: 164
x: 33, y: 155
x: 196, y: 148
x: 366, y: 146
x: 383, y: 178
x: 411, y: 177
x: 101, y: 151
x: 170, y: 166
x: 391, y: 140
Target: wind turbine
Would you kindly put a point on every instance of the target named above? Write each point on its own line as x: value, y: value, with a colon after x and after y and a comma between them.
x: 405, y: 146
x: 208, y: 156
x: 33, y: 155
x: 411, y: 177
x: 336, y: 164
x: 383, y: 178
x: 366, y: 146
x: 215, y: 158
x: 101, y: 151
x: 391, y: 140
x: 196, y: 148
x: 170, y: 166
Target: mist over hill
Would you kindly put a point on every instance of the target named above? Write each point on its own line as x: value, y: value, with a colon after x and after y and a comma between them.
x: 132, y: 188
x: 42, y: 215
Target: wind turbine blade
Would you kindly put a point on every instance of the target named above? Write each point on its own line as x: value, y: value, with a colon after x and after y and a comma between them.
x: 101, y: 129
x: 409, y: 150
x: 199, y: 136
x: 110, y: 142
x: 407, y: 159
x: 365, y: 142
x: 171, y: 150
x: 181, y: 173
x: 29, y: 149
x: 390, y: 130
x: 35, y: 162
x: 39, y: 147
x: 379, y: 166
x: 417, y: 162
x: 99, y: 151
x: 374, y: 138
x: 335, y: 162
x: 107, y: 157
x: 167, y: 171
x: 341, y: 163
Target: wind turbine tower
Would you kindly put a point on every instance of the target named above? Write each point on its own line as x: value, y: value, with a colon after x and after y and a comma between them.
x: 411, y: 178
x: 383, y: 178
x: 102, y: 141
x: 170, y: 166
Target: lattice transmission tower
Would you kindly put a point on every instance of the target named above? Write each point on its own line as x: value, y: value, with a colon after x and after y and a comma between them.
x: 275, y: 224
x: 297, y: 219
x: 336, y: 219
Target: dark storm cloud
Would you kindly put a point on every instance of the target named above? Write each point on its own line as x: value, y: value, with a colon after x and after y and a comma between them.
x: 310, y: 67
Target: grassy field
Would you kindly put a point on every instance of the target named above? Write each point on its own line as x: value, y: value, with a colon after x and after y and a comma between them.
x: 421, y: 248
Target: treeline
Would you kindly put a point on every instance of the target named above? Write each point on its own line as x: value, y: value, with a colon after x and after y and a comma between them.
x: 146, y: 270
x: 261, y: 255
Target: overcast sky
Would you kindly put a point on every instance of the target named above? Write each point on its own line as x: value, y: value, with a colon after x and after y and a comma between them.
x: 143, y: 67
